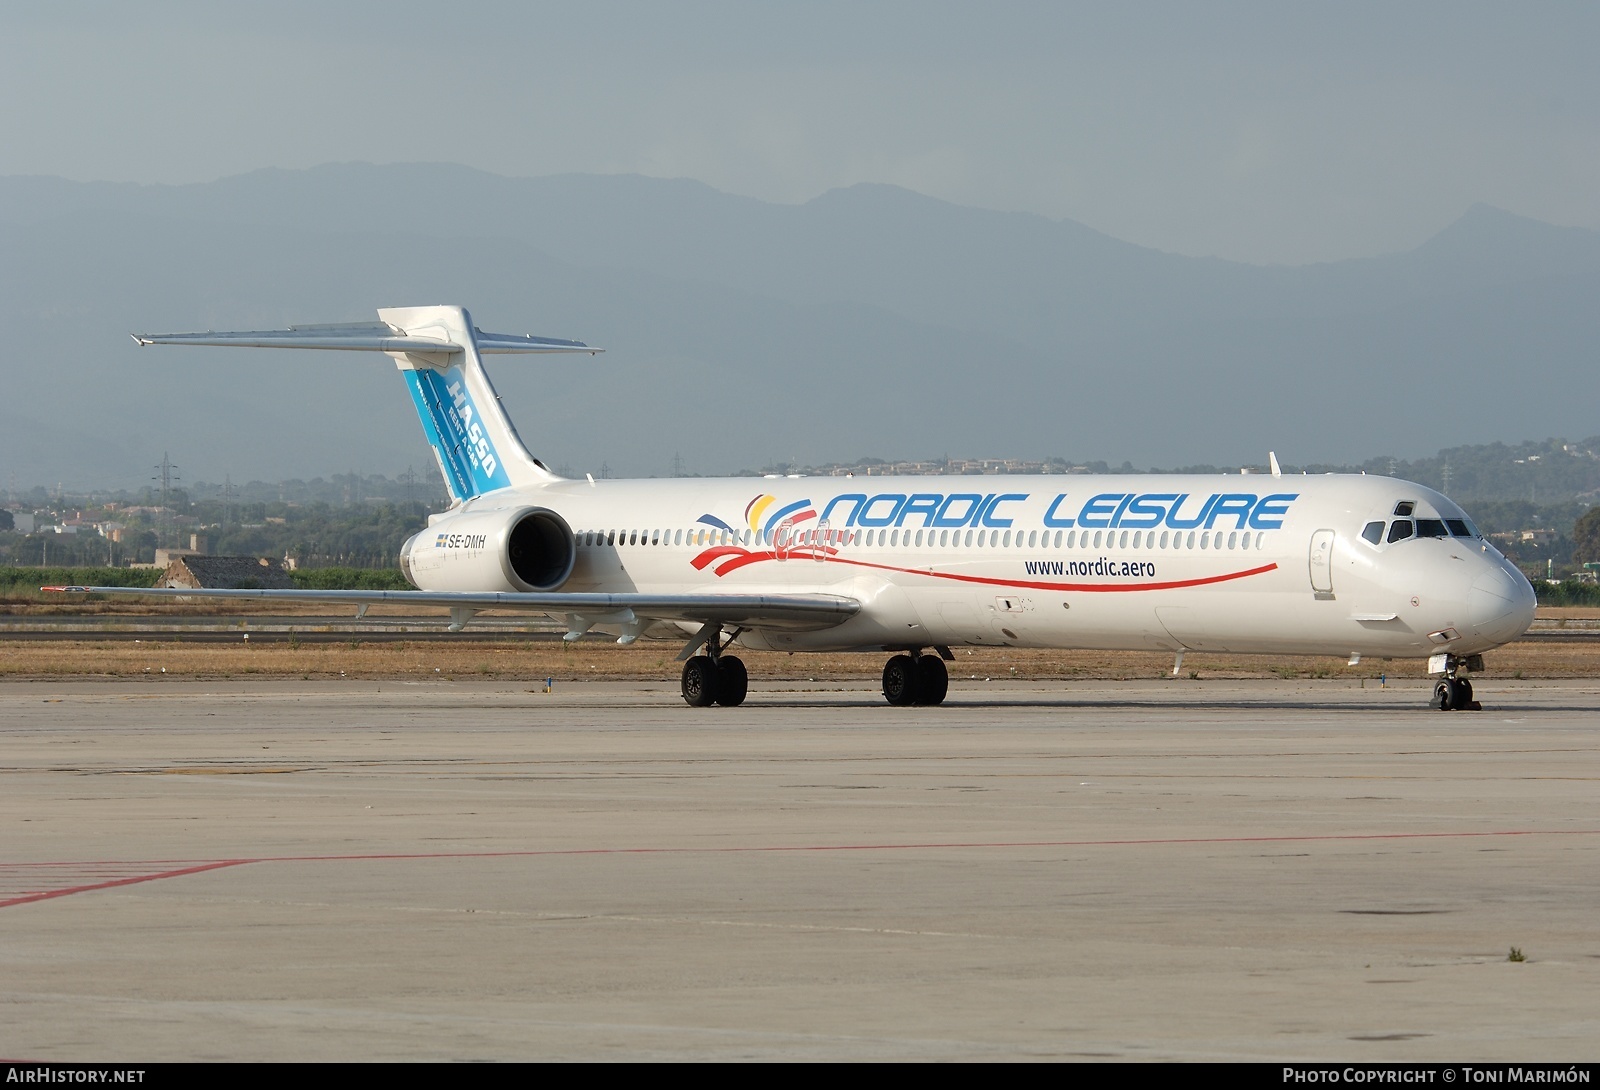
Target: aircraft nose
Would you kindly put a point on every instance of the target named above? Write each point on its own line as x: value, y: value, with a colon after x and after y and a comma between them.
x: 1500, y: 605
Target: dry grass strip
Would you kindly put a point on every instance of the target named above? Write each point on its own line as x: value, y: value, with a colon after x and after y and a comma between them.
x: 655, y: 661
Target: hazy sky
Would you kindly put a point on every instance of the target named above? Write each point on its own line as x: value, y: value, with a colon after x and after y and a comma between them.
x: 1262, y: 132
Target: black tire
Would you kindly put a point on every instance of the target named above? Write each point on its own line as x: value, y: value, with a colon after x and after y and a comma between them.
x: 699, y: 682
x: 1462, y: 700
x: 1444, y: 695
x: 933, y: 680
x: 900, y: 680
x: 733, y: 681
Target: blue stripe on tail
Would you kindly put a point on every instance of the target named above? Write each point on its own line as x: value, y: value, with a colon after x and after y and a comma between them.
x: 451, y: 422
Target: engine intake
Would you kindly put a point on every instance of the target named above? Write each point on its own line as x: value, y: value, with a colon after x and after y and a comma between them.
x: 525, y: 549
x: 541, y: 550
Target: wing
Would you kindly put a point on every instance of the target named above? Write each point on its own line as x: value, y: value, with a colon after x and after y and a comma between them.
x: 630, y: 611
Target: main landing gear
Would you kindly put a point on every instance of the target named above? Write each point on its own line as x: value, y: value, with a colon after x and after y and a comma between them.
x: 916, y: 679
x: 715, y: 678
x: 724, y: 681
x: 1453, y: 692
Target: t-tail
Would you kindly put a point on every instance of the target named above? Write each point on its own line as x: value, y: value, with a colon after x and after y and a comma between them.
x: 439, y: 351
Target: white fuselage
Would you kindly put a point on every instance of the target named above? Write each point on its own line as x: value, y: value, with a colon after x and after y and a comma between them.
x: 1248, y: 563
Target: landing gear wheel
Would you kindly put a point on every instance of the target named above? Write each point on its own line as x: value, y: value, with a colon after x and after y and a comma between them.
x: 699, y: 685
x: 1454, y: 694
x: 933, y: 680
x: 1453, y: 691
x: 900, y: 680
x: 733, y: 681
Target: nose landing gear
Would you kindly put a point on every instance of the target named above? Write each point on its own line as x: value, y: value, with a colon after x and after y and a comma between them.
x: 1454, y: 695
x: 1453, y: 692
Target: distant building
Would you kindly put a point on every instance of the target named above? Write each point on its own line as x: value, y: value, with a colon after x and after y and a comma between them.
x: 167, y: 556
x: 1538, y: 537
x: 226, y: 573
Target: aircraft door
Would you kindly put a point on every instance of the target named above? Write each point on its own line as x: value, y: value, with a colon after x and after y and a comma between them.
x: 1322, y: 563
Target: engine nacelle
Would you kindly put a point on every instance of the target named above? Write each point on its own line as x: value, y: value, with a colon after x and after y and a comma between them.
x: 524, y: 549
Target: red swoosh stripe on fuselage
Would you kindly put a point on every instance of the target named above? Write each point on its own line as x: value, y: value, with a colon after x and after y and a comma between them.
x: 1021, y: 584
x: 702, y: 559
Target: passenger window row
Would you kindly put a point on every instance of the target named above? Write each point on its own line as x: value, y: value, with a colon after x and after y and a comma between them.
x: 981, y: 539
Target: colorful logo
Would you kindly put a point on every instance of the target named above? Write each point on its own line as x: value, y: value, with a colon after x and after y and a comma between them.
x: 776, y: 532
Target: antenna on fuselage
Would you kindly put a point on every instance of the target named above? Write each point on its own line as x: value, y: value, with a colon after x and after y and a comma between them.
x: 1272, y: 460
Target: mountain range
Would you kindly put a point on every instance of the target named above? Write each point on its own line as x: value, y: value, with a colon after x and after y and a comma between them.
x: 871, y: 321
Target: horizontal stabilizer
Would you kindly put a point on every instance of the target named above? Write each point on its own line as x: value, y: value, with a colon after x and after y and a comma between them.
x: 524, y: 342
x: 439, y: 351
x: 364, y: 337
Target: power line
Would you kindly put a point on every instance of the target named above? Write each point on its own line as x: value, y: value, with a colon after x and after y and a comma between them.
x: 168, y: 475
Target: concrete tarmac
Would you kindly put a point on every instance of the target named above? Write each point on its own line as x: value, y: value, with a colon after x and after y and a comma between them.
x: 1256, y: 870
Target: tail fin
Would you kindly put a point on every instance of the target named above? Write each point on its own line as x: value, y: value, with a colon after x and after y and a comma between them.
x: 475, y: 442
x: 439, y: 351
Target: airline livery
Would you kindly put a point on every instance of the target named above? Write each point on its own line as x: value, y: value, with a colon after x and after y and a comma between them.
x: 914, y: 566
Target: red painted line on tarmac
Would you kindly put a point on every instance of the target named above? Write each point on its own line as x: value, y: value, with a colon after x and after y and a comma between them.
x: 47, y: 894
x: 186, y: 867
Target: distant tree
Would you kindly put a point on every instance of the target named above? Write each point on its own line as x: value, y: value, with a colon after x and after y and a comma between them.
x: 6, y: 521
x: 1586, y: 538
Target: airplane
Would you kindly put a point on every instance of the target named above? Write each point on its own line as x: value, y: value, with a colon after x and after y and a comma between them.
x: 1347, y: 565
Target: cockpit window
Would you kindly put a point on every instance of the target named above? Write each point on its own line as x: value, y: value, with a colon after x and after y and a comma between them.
x: 1404, y: 509
x: 1401, y: 529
